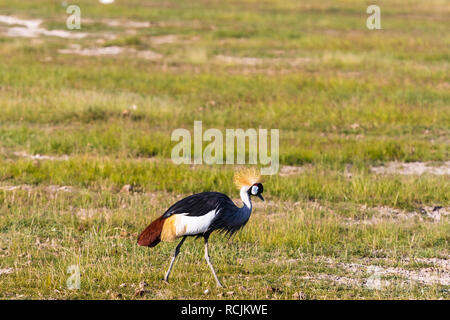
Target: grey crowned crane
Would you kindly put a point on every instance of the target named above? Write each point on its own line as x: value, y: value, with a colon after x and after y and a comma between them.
x: 202, y: 213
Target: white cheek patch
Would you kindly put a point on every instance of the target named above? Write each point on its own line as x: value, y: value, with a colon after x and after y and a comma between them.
x: 254, y: 190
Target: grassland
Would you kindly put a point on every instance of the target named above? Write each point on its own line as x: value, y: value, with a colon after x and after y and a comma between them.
x: 345, y: 99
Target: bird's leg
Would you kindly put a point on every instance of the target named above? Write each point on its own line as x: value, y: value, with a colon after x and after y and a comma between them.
x: 175, y: 254
x: 210, y: 264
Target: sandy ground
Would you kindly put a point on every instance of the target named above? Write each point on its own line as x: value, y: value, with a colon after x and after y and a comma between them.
x: 412, y: 168
x: 253, y: 61
x: 40, y: 156
x: 33, y: 29
x: 112, y: 50
x: 403, y: 168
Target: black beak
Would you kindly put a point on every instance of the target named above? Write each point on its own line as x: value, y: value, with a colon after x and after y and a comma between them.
x: 260, y: 196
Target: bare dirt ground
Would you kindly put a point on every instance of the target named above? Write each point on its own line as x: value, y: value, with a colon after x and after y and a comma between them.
x: 40, y: 156
x: 33, y: 29
x: 403, y: 168
x: 413, y: 168
x: 254, y: 61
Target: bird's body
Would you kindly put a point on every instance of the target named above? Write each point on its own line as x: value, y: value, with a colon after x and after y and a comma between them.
x: 199, y: 215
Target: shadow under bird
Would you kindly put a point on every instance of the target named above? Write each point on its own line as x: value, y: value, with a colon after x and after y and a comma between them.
x: 203, y: 213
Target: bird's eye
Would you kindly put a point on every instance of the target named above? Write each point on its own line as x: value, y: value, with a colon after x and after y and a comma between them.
x: 254, y: 190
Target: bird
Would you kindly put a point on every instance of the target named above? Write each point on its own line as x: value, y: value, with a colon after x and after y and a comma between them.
x: 201, y: 214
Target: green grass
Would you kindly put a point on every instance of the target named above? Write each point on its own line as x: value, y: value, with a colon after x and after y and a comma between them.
x: 344, y: 98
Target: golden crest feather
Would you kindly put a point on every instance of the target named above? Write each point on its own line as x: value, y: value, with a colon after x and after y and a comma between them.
x: 247, y: 177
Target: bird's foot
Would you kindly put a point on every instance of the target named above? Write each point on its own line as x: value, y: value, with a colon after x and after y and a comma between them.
x: 166, y: 281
